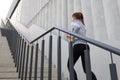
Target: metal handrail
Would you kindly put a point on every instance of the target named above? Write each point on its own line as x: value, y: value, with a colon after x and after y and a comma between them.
x: 17, y: 31
x: 16, y: 5
x: 89, y: 40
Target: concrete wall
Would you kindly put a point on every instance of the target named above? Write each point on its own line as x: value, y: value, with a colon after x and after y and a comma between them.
x: 99, y: 16
x: 102, y: 20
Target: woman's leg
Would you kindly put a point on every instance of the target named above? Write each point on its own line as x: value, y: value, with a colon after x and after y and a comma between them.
x: 76, y: 55
x: 83, y: 64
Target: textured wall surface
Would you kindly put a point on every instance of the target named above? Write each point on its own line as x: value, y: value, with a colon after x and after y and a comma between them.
x: 102, y: 20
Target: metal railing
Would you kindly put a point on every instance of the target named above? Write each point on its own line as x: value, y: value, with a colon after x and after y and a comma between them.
x: 13, y: 8
x: 23, y: 51
x: 104, y: 46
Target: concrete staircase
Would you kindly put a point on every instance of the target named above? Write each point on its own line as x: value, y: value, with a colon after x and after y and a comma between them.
x: 7, y: 65
x: 7, y: 69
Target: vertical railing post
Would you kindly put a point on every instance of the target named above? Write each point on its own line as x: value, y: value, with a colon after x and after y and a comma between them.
x: 113, y: 70
x: 31, y: 62
x: 17, y: 48
x: 59, y: 58
x: 13, y: 44
x: 9, y: 38
x: 36, y: 62
x: 21, y: 57
x: 19, y: 45
x: 42, y: 60
x: 71, y: 66
x: 50, y: 59
x: 23, y: 62
x: 27, y: 58
x: 19, y: 53
x: 88, y: 63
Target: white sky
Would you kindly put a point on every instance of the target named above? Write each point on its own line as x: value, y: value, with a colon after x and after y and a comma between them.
x: 4, y: 7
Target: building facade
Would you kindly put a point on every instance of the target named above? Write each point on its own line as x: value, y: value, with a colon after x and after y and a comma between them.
x: 102, y: 20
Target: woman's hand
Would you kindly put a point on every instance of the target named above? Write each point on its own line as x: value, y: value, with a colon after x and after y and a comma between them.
x: 69, y: 38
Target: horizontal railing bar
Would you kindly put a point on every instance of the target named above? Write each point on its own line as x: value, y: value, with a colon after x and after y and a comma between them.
x: 16, y: 5
x: 42, y: 35
x: 94, y: 42
x: 17, y: 31
x: 91, y: 41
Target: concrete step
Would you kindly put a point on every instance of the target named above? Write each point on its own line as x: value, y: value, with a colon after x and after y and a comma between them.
x: 0, y: 33
x: 5, y: 59
x: 9, y: 75
x: 2, y: 45
x: 45, y: 69
x: 3, y: 38
x: 52, y: 79
x: 11, y: 68
x: 14, y: 75
x: 9, y: 79
x: 7, y: 64
x: 7, y: 69
x: 33, y: 79
x: 54, y: 75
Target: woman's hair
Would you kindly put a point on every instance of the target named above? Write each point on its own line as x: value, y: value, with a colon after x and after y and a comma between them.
x: 79, y: 16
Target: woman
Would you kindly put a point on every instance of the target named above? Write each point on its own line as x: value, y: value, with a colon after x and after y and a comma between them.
x: 79, y: 46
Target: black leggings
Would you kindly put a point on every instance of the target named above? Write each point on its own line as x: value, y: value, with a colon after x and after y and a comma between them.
x: 78, y: 50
